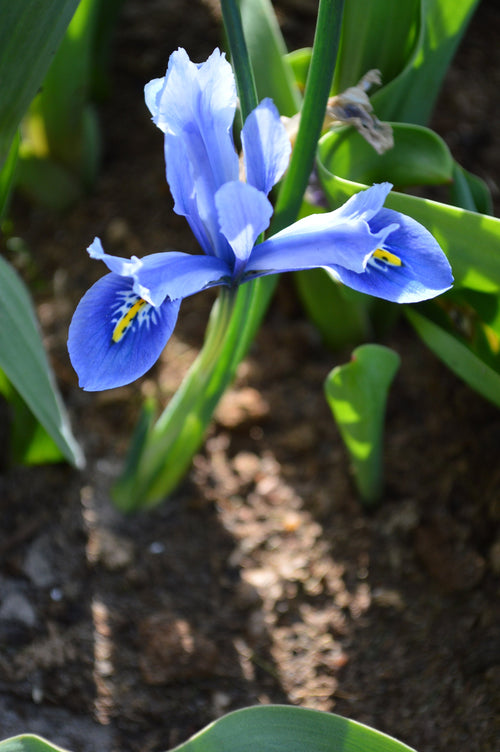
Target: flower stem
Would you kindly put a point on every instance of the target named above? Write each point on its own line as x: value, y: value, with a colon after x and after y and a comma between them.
x: 319, y: 81
x: 242, y: 67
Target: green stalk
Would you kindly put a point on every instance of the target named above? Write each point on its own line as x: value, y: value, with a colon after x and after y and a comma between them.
x: 242, y: 67
x: 319, y: 81
x: 161, y: 454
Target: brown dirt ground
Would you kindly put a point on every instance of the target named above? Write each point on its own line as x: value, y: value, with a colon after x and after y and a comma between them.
x: 261, y: 579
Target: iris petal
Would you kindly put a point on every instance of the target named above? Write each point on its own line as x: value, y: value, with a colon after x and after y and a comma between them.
x: 121, y: 266
x: 176, y: 275
x: 365, y: 204
x: 191, y: 93
x: 141, y: 333
x: 351, y: 241
x: 266, y: 146
x: 317, y: 240
x: 244, y: 212
x: 152, y: 96
x: 195, y: 109
x: 424, y: 271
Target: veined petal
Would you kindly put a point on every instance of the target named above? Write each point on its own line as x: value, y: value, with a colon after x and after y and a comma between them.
x: 244, y: 212
x: 414, y: 269
x: 193, y: 188
x: 195, y: 109
x: 365, y: 204
x: 175, y: 275
x: 152, y: 96
x: 317, y: 240
x: 121, y: 266
x: 191, y: 91
x: 115, y: 336
x: 266, y: 146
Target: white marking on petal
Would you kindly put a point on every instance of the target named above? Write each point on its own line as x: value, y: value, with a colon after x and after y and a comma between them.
x: 129, y: 311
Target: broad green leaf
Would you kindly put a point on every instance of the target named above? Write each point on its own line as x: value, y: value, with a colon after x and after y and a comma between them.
x: 419, y: 157
x: 282, y: 728
x: 266, y: 728
x: 410, y: 96
x: 267, y: 50
x: 357, y: 394
x: 456, y: 354
x: 30, y: 33
x: 24, y: 363
x: 61, y: 144
x: 379, y: 35
x: 470, y: 240
x: 28, y: 743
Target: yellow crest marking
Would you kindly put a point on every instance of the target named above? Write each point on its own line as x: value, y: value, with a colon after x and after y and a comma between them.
x: 389, y: 258
x: 127, y: 318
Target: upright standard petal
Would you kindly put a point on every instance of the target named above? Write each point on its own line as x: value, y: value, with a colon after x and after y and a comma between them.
x: 244, y: 212
x: 266, y: 146
x: 116, y: 336
x: 195, y: 108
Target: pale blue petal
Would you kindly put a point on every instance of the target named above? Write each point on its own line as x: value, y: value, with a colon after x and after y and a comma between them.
x: 317, y: 240
x: 365, y: 204
x: 266, y: 146
x: 244, y: 212
x: 176, y: 275
x: 152, y: 96
x: 121, y: 266
x: 424, y: 271
x: 417, y: 268
x: 102, y: 363
x: 195, y: 109
x: 193, y: 187
x: 190, y: 93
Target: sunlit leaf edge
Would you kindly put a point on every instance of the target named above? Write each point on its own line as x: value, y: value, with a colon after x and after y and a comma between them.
x: 23, y: 360
x: 284, y: 728
x: 28, y: 743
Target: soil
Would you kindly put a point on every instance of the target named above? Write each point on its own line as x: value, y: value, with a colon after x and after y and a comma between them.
x: 262, y: 578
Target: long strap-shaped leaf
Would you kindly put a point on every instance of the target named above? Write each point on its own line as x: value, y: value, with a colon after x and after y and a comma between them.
x: 30, y: 32
x: 411, y: 42
x: 23, y: 360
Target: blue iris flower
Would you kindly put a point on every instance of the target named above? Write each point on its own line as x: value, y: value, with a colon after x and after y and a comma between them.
x: 124, y: 321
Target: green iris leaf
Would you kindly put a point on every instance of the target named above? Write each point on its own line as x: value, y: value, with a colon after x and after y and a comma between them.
x: 357, y: 394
